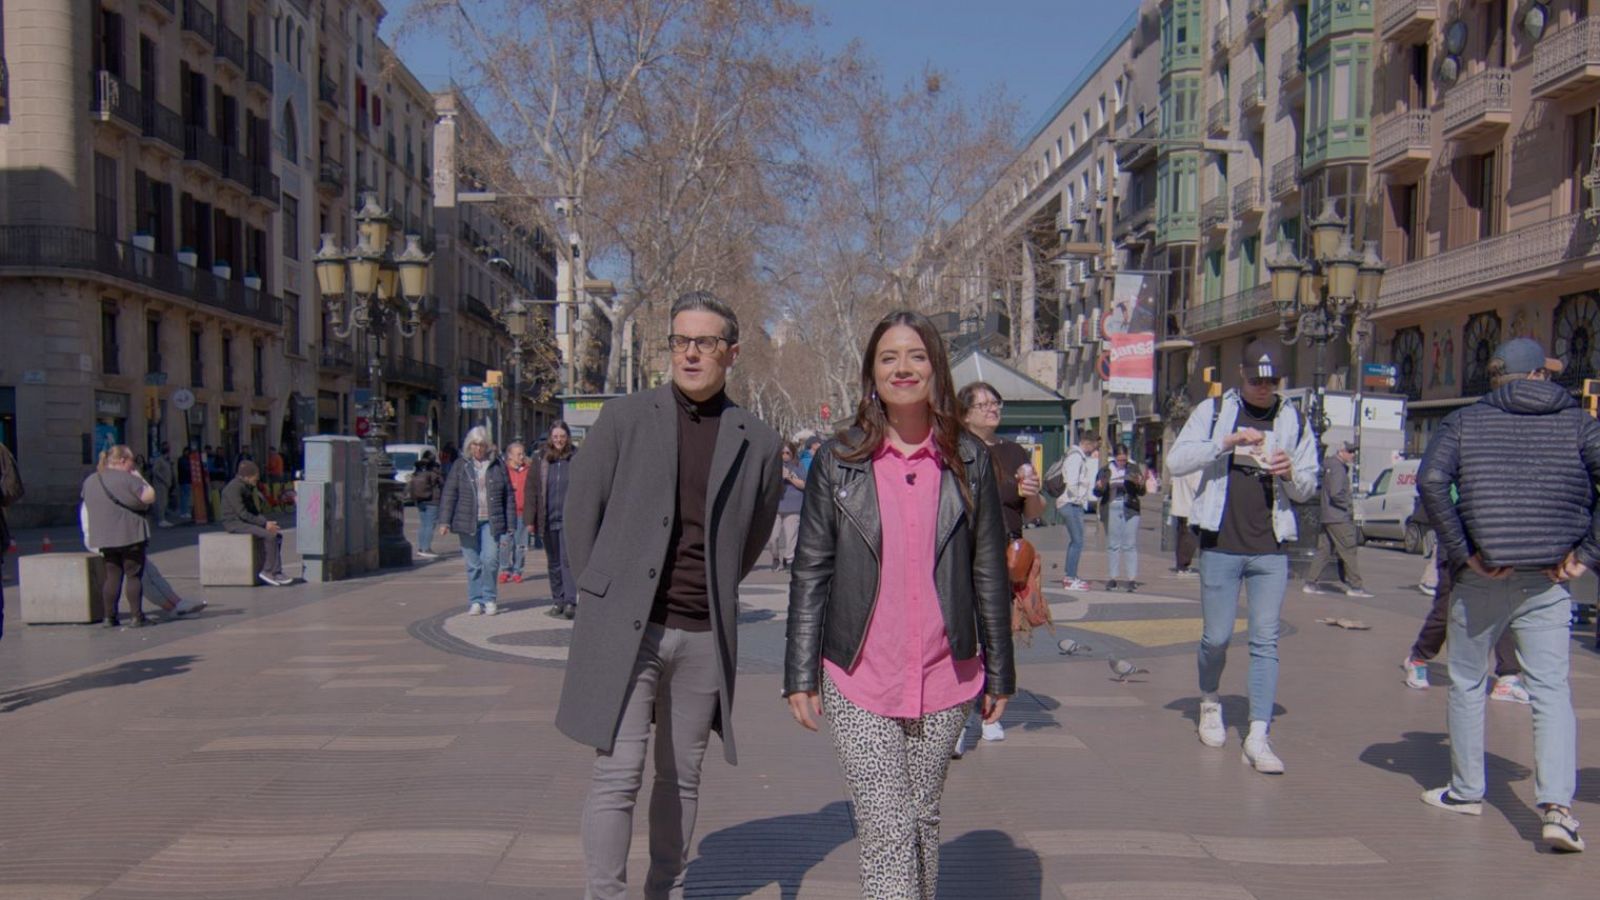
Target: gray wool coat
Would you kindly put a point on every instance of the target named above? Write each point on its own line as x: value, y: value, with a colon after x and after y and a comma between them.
x: 618, y: 523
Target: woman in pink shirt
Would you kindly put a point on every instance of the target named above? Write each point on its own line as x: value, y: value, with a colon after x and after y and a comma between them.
x: 899, y: 577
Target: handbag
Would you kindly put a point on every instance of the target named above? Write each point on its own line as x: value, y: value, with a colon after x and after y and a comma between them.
x: 1029, y: 610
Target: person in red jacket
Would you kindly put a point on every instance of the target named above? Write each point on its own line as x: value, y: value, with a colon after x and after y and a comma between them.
x: 513, y: 557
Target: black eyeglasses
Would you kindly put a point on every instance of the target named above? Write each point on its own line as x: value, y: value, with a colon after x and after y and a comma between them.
x: 705, y: 343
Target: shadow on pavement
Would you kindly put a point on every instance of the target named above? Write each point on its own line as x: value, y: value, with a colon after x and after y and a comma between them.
x: 1425, y: 757
x: 989, y: 864
x: 1235, y: 711
x: 744, y: 859
x: 131, y: 672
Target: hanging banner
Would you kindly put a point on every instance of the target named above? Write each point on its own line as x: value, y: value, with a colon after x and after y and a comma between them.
x: 1129, y: 330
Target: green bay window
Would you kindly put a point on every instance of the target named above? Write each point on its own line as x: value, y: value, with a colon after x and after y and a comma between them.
x: 1338, y: 92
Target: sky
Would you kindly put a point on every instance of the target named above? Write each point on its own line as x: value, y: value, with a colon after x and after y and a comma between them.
x: 1033, y: 48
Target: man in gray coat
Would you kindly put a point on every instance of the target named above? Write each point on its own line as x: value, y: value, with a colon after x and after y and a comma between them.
x: 1338, y: 537
x: 670, y: 505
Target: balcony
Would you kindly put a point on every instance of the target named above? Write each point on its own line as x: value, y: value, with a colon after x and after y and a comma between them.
x: 1217, y: 119
x: 1134, y: 221
x: 337, y: 355
x: 1478, y: 107
x: 161, y: 128
x: 330, y: 176
x: 235, y: 167
x: 51, y: 251
x: 1528, y: 256
x: 1402, y: 146
x: 1220, y: 35
x: 327, y: 91
x: 1291, y: 69
x: 260, y: 72
x: 117, y: 102
x: 265, y: 186
x: 199, y: 24
x: 473, y: 369
x: 200, y: 147
x: 472, y: 306
x: 1285, y: 178
x: 1239, y: 311
x: 1255, y: 17
x: 1177, y: 227
x: 1214, y: 216
x: 1130, y: 155
x: 1408, y: 21
x: 414, y: 372
x: 230, y: 48
x: 1566, y: 65
x: 1253, y: 95
x: 1249, y: 200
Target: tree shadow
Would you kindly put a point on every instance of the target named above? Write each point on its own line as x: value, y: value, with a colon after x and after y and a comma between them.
x: 1235, y: 711
x: 131, y: 672
x: 1425, y: 757
x: 989, y: 864
x: 743, y: 859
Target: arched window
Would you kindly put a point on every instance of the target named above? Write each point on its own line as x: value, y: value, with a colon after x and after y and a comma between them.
x: 300, y: 50
x: 291, y: 134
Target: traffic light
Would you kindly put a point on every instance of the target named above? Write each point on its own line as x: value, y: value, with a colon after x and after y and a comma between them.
x: 1213, y: 386
x: 1591, y: 396
x: 494, y: 378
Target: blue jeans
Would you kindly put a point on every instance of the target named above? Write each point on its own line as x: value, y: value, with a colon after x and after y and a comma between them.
x: 1073, y: 515
x: 430, y: 517
x: 1122, y: 541
x: 481, y: 551
x: 1538, y: 613
x: 516, y: 551
x: 185, y: 501
x: 1264, y: 579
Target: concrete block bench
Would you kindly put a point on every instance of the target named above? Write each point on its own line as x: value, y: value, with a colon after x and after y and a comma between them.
x: 60, y: 588
x: 229, y: 560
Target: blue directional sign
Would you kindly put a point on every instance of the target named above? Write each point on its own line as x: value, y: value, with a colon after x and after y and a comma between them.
x: 477, y: 396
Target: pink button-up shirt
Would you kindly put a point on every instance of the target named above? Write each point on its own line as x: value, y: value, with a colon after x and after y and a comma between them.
x: 905, y: 669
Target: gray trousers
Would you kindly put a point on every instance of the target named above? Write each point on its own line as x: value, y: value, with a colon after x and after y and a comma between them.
x: 1338, y: 539
x: 674, y: 677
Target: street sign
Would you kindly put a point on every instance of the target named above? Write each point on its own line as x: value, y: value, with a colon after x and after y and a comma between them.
x: 183, y: 399
x: 1378, y: 375
x: 363, y: 425
x: 477, y: 396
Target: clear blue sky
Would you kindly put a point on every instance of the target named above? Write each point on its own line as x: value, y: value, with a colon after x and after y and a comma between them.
x: 1032, y: 47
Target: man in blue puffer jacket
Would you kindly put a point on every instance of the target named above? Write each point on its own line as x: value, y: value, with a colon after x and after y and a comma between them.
x: 1524, y: 460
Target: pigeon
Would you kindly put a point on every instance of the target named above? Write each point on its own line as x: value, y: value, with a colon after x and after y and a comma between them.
x: 1072, y: 648
x: 1123, y: 669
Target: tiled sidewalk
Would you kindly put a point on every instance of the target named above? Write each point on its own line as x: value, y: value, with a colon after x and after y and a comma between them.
x: 338, y: 746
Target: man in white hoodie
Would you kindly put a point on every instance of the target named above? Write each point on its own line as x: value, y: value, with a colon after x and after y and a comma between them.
x: 1078, y: 471
x: 1256, y: 457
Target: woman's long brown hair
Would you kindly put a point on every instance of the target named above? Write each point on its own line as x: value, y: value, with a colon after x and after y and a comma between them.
x: 874, y: 422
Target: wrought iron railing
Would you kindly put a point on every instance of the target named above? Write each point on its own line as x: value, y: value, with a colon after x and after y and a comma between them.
x: 1398, y: 13
x: 46, y: 247
x: 1247, y: 196
x: 1400, y: 133
x: 1244, y: 306
x: 331, y: 174
x: 260, y: 71
x: 266, y: 185
x: 1286, y: 176
x: 200, y: 21
x: 1483, y: 94
x: 199, y: 145
x: 415, y: 372
x: 1570, y: 50
x: 230, y: 46
x: 327, y: 90
x: 1214, y: 213
x: 337, y: 355
x: 157, y: 121
x: 117, y: 99
x: 1291, y: 64
x: 1515, y: 254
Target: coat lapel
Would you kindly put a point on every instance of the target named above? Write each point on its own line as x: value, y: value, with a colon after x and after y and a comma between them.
x: 951, y: 509
x: 731, y: 437
x: 858, y: 498
x: 664, y: 424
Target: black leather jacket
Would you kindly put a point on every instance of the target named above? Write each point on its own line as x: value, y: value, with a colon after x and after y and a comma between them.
x: 834, y: 586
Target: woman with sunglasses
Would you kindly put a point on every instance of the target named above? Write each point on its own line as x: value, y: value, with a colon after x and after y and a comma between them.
x: 899, y: 577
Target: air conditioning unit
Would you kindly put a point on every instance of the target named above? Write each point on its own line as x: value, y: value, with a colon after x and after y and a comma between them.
x: 1081, y: 213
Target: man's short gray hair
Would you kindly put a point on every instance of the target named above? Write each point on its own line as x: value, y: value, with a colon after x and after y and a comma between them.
x: 705, y: 301
x: 478, y: 435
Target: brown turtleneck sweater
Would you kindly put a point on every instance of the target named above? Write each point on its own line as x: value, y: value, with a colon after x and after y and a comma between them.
x: 682, y: 598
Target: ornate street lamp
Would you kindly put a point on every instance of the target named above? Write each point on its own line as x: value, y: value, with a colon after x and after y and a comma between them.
x: 370, y: 289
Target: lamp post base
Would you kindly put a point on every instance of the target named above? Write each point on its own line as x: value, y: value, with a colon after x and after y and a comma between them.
x: 394, y: 551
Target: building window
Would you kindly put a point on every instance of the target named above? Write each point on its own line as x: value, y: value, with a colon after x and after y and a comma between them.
x: 108, y: 51
x: 1213, y: 276
x: 291, y: 322
x: 291, y: 226
x: 227, y: 363
x: 152, y: 345
x: 152, y: 215
x: 291, y: 135
x: 1249, y: 262
x: 197, y: 370
x: 1478, y: 342
x: 1582, y: 152
x: 1474, y: 202
x: 110, y: 350
x: 105, y: 195
x: 1403, y: 231
x: 258, y: 371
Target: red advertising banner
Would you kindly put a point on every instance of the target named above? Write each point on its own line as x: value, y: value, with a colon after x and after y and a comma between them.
x: 1129, y: 329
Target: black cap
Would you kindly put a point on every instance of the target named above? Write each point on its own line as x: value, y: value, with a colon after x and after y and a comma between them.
x: 1261, y: 360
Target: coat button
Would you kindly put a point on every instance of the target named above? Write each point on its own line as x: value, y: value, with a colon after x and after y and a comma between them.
x: 652, y: 573
x: 666, y: 521
x: 843, y: 494
x: 636, y: 625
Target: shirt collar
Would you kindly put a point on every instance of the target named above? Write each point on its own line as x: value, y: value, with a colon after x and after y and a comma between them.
x: 927, y: 449
x: 695, y: 409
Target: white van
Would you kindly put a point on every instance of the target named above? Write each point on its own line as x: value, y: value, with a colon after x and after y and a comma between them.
x: 405, y: 458
x: 1381, y: 512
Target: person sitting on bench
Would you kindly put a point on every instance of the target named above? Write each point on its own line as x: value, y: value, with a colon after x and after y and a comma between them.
x: 242, y: 515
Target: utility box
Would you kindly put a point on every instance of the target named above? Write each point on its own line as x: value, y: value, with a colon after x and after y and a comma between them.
x: 335, y: 514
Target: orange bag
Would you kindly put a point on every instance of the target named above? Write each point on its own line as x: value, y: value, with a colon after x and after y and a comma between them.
x: 1029, y: 610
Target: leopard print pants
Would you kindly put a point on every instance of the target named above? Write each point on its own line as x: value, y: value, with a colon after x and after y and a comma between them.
x: 896, y: 770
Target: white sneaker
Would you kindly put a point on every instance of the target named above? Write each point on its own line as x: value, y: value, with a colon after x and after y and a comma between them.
x: 1416, y: 673
x: 1258, y: 753
x: 427, y: 554
x: 1213, y: 733
x: 490, y: 608
x: 994, y: 731
x: 1314, y: 589
x: 475, y: 609
x: 1509, y: 688
x: 1560, y: 830
x: 1362, y: 593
